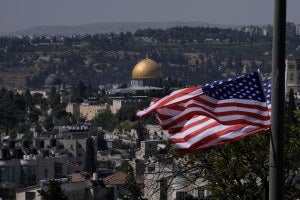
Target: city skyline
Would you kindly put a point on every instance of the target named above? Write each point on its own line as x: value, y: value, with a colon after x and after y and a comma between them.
x: 16, y: 15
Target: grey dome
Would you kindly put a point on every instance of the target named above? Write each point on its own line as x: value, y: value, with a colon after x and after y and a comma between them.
x: 52, y: 80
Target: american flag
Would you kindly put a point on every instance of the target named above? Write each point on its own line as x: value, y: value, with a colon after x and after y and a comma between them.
x: 225, y: 111
x: 233, y: 101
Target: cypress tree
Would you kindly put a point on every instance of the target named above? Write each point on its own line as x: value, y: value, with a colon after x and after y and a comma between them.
x: 90, y: 156
x: 54, y: 192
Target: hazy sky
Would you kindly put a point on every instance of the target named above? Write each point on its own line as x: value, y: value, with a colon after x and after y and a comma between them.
x: 19, y: 14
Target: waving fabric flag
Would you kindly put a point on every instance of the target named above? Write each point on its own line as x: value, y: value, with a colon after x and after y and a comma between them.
x: 200, y: 132
x: 197, y: 123
x: 234, y: 101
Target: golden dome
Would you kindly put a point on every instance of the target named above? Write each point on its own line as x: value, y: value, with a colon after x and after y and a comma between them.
x: 146, y: 68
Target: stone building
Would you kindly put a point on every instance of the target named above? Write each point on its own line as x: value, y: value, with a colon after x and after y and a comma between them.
x: 18, y: 173
x: 74, y: 189
x: 86, y: 111
x: 293, y: 78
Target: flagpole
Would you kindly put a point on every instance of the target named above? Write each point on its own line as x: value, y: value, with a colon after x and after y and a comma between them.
x: 276, y: 176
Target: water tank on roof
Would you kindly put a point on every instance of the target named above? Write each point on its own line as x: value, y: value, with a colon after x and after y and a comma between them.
x: 43, y: 182
x: 64, y: 180
x: 95, y: 177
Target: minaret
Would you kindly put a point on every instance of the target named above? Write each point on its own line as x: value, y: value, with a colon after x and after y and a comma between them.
x: 63, y: 93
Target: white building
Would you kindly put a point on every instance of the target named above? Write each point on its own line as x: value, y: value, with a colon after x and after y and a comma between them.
x: 298, y: 29
x: 293, y: 78
x: 17, y: 173
x: 161, y: 182
x: 75, y: 190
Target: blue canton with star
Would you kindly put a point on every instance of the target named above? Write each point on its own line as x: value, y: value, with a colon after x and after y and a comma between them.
x: 243, y: 87
x: 267, y: 85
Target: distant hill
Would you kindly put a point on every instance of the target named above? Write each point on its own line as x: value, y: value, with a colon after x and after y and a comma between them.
x: 95, y: 28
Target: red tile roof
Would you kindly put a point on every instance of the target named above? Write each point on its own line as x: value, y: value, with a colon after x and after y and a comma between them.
x: 118, y: 178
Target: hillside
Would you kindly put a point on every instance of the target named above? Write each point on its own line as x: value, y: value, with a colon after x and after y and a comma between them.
x: 115, y: 27
x: 187, y: 55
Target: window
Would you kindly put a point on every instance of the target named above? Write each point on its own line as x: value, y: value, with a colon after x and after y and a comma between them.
x: 28, y: 175
x: 79, y: 154
x: 79, y: 146
x: 201, y: 193
x: 7, y: 193
x: 292, y: 76
x: 6, y: 174
x: 46, y: 173
x: 42, y: 144
x: 163, y: 188
x: 29, y: 195
x: 58, y: 170
x: 181, y: 195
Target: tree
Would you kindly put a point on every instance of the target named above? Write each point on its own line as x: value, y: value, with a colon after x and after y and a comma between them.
x: 59, y: 111
x: 125, y: 166
x: 12, y: 109
x: 141, y: 132
x: 240, y: 170
x: 25, y: 129
x: 291, y: 108
x: 127, y: 112
x: 134, y: 189
x: 34, y: 115
x: 79, y: 91
x: 54, y: 192
x: 48, y: 123
x: 54, y: 98
x: 89, y: 90
x: 101, y: 142
x: 90, y: 165
x: 106, y: 120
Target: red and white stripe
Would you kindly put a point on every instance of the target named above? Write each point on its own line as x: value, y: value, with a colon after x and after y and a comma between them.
x: 175, y: 97
x: 228, y: 112
x: 202, y: 132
